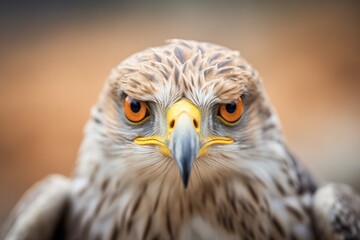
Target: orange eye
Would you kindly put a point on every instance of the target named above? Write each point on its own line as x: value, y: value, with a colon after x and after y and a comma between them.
x: 135, y: 110
x: 230, y: 113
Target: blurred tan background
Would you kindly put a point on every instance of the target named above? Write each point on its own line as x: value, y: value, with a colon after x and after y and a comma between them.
x: 55, y: 57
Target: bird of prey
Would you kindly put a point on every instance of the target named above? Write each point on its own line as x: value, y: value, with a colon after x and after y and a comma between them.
x: 184, y: 144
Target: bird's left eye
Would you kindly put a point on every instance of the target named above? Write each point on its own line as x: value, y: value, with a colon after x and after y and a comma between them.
x: 230, y: 113
x: 135, y: 111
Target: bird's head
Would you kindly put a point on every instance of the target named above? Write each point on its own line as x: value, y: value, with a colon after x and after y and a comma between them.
x: 182, y: 104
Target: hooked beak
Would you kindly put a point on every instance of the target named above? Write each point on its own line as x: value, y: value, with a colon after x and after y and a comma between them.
x: 183, y: 141
x: 184, y: 144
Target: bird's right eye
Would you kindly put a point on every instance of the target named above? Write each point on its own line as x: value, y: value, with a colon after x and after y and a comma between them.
x: 136, y: 111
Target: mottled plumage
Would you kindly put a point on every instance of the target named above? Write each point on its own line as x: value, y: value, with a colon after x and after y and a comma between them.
x: 237, y: 180
x: 337, y: 210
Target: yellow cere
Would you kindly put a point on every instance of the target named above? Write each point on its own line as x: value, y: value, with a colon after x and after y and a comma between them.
x: 180, y: 107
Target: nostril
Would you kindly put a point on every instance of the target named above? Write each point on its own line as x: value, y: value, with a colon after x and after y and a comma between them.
x: 172, y: 123
x: 196, y: 124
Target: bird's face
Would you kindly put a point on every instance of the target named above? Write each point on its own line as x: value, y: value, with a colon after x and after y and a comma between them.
x: 184, y: 103
x: 187, y: 137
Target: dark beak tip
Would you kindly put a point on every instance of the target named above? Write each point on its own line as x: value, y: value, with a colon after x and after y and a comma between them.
x: 185, y: 183
x: 185, y: 178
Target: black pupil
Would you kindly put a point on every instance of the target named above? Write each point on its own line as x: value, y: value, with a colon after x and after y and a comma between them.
x: 231, y: 107
x: 135, y: 106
